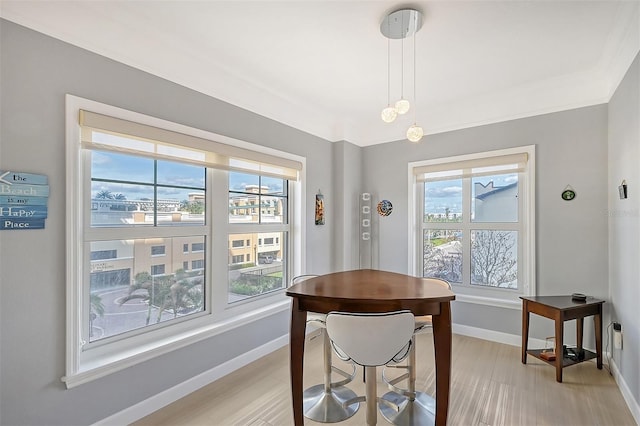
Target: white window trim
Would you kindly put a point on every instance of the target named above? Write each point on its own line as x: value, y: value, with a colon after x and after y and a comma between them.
x: 161, y: 341
x: 506, y: 298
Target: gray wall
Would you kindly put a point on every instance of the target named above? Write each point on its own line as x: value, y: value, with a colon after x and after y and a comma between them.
x: 624, y: 224
x: 347, y: 181
x: 36, y: 72
x: 571, y: 149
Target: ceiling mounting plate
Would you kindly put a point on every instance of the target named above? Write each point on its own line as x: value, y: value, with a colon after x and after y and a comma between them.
x: 402, y: 23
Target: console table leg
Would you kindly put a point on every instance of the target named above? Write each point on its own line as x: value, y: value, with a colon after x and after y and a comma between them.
x: 597, y: 322
x: 559, y: 348
x: 525, y: 330
x: 579, y: 333
x: 296, y: 355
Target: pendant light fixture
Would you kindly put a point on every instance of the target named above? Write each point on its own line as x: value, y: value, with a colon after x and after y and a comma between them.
x: 389, y: 113
x: 401, y: 24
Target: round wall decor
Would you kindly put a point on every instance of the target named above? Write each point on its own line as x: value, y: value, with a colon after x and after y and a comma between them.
x: 385, y: 208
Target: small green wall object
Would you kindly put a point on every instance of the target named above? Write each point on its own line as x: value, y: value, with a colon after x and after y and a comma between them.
x: 568, y: 194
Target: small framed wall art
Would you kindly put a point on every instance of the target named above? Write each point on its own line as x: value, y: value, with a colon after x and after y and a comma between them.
x: 319, y: 209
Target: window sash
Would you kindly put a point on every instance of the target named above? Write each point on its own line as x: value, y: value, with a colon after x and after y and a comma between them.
x: 107, y: 233
x: 467, y: 226
x: 149, y: 141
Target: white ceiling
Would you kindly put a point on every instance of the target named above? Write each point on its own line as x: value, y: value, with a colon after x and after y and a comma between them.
x: 321, y: 66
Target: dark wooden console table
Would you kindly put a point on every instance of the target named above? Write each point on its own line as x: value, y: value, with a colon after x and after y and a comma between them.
x: 561, y: 309
x: 372, y: 291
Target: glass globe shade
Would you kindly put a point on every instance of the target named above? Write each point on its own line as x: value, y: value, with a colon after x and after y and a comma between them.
x: 389, y: 114
x: 402, y: 106
x: 415, y: 133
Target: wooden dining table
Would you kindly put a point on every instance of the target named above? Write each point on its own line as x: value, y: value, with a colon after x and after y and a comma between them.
x: 368, y: 290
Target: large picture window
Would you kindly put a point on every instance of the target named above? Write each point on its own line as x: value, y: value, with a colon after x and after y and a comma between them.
x: 475, y: 216
x: 147, y: 235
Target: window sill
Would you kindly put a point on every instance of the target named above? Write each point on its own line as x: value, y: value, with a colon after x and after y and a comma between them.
x: 489, y: 301
x: 108, y: 364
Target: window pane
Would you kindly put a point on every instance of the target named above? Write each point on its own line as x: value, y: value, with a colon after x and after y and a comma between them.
x: 443, y: 201
x: 442, y: 254
x: 244, y: 208
x: 157, y: 269
x: 244, y: 182
x: 494, y: 257
x: 179, y: 174
x: 273, y: 186
x: 247, y: 204
x: 124, y: 191
x: 272, y: 209
x: 247, y: 279
x: 158, y: 250
x: 119, y: 204
x: 126, y: 204
x: 113, y: 166
x: 104, y: 254
x: 131, y: 290
x: 495, y: 198
x: 177, y: 206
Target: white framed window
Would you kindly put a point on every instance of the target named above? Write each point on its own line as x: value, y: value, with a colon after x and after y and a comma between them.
x: 141, y: 193
x: 473, y: 224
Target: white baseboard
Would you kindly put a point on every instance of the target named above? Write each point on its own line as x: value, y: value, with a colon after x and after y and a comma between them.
x: 633, y: 405
x: 495, y: 336
x: 156, y: 402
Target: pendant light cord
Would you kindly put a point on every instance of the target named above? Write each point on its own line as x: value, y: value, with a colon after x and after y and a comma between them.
x: 403, y: 35
x: 388, y: 72
x: 415, y: 100
x: 388, y: 68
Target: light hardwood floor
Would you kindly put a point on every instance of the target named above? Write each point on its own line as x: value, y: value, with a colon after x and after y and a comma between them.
x: 489, y: 386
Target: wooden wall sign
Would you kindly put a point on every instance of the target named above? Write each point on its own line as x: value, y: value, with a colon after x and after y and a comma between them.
x: 23, y: 200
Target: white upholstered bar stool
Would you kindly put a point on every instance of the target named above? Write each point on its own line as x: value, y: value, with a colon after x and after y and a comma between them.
x: 406, y: 406
x: 371, y: 340
x: 324, y: 402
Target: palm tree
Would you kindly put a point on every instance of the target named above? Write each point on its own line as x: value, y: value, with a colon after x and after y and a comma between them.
x: 96, y: 309
x: 175, y: 292
x: 142, y: 281
x: 105, y: 194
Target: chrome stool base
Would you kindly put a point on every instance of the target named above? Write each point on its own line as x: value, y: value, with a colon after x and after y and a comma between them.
x: 327, y: 407
x: 403, y: 411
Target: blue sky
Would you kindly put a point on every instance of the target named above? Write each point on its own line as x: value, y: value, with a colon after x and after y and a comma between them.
x: 448, y: 193
x: 115, y: 166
